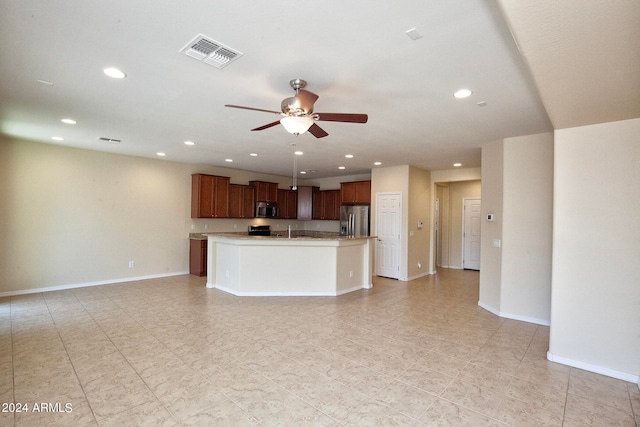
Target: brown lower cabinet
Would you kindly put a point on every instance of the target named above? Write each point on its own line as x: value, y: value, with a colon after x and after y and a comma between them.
x: 198, y: 257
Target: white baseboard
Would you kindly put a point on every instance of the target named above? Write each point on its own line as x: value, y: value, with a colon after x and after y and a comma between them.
x: 533, y: 320
x: 287, y: 294
x: 87, y: 284
x: 594, y: 368
x: 407, y: 279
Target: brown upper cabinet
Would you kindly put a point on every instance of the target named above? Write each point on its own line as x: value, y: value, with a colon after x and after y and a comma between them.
x: 209, y: 196
x: 326, y: 204
x: 287, y: 204
x: 242, y: 201
x: 265, y: 191
x: 357, y: 192
x: 305, y: 201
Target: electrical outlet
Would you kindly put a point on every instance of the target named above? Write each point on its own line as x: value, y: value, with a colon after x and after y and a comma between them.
x: 206, y: 226
x: 132, y: 264
x: 350, y: 273
x: 227, y: 273
x: 419, y: 264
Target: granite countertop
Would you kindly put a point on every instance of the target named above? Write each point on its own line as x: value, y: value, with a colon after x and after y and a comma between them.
x: 278, y: 234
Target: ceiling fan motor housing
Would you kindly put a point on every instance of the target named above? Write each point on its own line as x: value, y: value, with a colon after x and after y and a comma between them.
x: 292, y: 107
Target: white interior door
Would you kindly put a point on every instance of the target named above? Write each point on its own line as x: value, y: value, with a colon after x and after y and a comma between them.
x: 471, y: 239
x: 388, y: 225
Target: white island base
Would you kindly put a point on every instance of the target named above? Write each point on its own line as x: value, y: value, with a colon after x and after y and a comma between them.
x: 278, y: 266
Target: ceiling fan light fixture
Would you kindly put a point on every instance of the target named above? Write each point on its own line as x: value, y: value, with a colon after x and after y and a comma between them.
x: 296, y: 125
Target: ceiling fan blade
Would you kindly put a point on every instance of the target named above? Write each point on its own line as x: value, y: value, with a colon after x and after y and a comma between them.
x: 270, y: 125
x: 341, y: 117
x: 306, y: 100
x: 317, y: 131
x: 253, y: 109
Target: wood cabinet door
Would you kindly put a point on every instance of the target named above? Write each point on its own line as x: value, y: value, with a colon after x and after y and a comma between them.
x: 235, y: 201
x: 355, y: 192
x: 265, y: 191
x: 198, y: 257
x: 331, y: 206
x: 305, y: 201
x: 287, y: 204
x: 272, y: 192
x: 318, y: 204
x: 221, y: 197
x: 292, y: 204
x: 202, y: 196
x: 347, y: 192
x: 363, y: 192
x: 248, y: 201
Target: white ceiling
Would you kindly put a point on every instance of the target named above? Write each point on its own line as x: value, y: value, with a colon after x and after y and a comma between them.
x: 355, y: 55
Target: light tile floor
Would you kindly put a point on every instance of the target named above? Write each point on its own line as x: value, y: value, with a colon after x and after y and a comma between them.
x: 169, y: 352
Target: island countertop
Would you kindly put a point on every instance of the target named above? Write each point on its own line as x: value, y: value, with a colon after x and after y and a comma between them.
x: 279, y: 235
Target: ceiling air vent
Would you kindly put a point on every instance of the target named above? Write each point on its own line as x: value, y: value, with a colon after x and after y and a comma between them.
x: 210, y: 51
x: 110, y: 140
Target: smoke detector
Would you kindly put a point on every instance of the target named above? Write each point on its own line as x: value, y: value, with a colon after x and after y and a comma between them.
x: 209, y: 51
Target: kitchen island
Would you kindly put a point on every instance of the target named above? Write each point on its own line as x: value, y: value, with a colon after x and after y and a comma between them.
x: 301, y: 265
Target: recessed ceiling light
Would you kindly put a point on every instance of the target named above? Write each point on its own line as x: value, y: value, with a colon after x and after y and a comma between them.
x: 189, y: 143
x: 115, y: 73
x: 341, y: 167
x: 349, y: 156
x: 303, y: 172
x: 253, y: 154
x: 377, y: 163
x: 457, y: 165
x: 228, y: 160
x: 69, y: 121
x: 161, y: 154
x: 298, y: 153
x: 462, y: 93
x: 57, y: 138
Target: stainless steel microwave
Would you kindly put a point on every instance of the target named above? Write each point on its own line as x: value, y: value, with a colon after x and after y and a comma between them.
x: 266, y: 210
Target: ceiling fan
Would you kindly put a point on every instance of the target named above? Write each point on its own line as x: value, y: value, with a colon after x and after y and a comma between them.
x: 299, y: 116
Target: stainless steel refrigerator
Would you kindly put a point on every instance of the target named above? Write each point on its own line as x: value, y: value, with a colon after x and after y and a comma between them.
x: 354, y: 220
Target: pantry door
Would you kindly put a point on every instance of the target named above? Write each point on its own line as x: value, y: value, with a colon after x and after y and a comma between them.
x: 388, y: 226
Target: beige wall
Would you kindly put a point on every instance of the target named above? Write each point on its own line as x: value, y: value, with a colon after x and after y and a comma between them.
x: 517, y: 183
x: 490, y: 257
x: 74, y: 216
x: 418, y: 238
x: 595, y: 311
x: 71, y: 217
x: 527, y: 228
